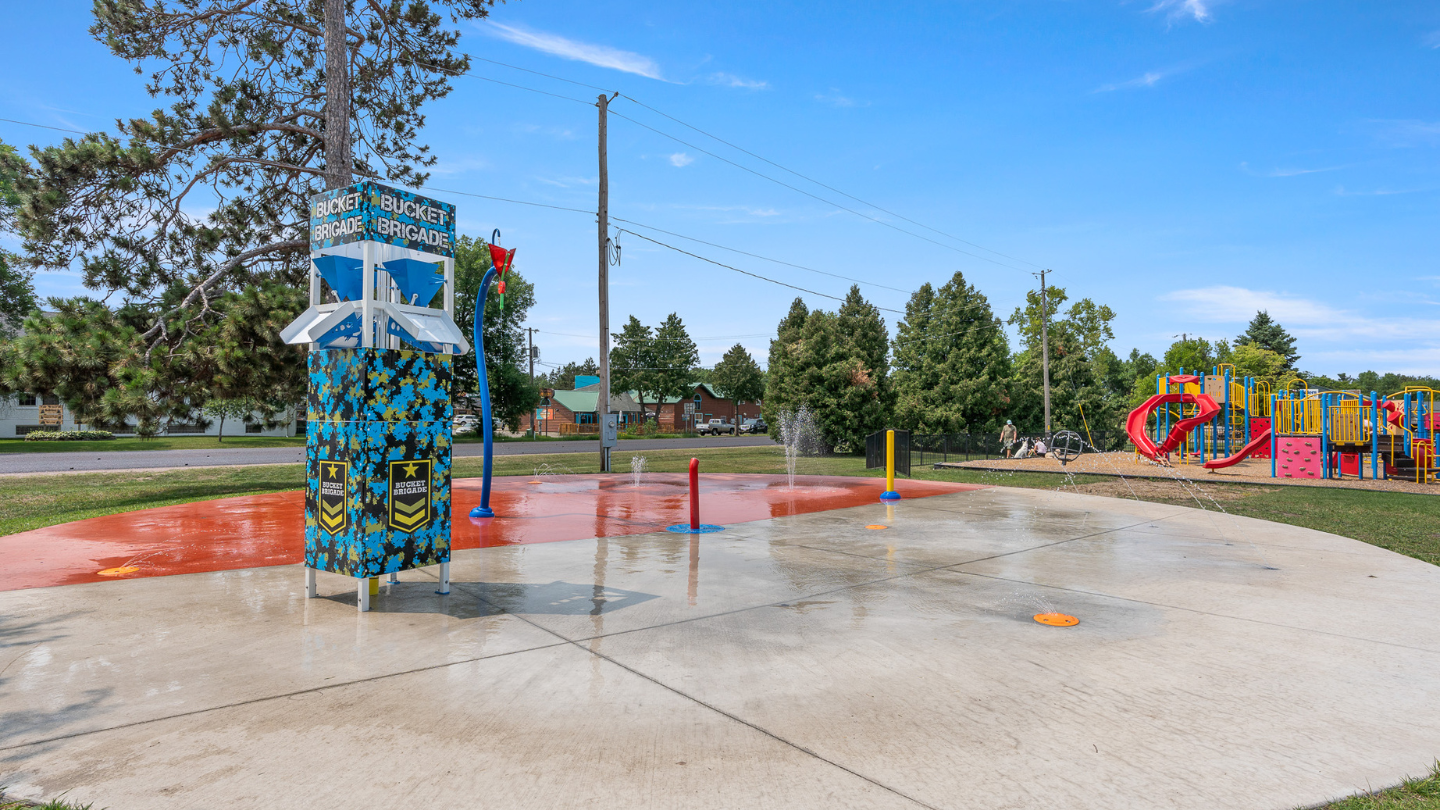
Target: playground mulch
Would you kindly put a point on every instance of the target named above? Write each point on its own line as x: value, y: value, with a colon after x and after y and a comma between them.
x: 1129, y: 465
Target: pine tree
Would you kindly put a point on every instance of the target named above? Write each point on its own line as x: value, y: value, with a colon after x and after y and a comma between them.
x: 782, y: 391
x: 836, y: 363
x: 17, y: 292
x: 632, y: 361
x: 675, y: 358
x: 1266, y: 333
x: 738, y: 377
x: 563, y: 378
x: 243, y: 138
x: 952, y: 362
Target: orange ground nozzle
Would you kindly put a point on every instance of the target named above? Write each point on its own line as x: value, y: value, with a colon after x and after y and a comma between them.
x: 1056, y: 619
x: 119, y: 572
x: 876, y: 526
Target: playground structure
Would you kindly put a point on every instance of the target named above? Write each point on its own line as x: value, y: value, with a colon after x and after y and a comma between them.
x: 1219, y: 419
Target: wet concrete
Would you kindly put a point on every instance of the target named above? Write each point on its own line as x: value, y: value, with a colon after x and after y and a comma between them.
x: 789, y: 662
x: 259, y: 530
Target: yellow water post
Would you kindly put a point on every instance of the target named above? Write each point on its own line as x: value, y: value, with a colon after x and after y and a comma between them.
x: 890, y: 494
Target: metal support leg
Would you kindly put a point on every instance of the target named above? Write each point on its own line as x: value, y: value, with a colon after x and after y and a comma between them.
x: 310, y: 583
x: 393, y: 577
x: 363, y: 590
x: 444, y: 579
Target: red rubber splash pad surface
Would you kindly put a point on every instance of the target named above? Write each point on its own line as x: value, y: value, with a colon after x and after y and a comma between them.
x: 260, y: 530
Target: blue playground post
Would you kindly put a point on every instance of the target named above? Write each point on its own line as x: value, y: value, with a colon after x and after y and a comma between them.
x: 484, y: 510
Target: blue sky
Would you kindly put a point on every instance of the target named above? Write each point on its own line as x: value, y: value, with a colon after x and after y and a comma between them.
x: 1184, y: 161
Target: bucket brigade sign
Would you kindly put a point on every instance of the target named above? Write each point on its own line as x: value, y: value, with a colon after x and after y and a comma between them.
x: 370, y: 211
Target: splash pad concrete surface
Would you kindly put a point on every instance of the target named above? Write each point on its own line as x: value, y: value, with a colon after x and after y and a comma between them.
x: 798, y: 660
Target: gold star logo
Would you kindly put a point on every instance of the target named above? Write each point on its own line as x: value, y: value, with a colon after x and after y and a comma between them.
x: 334, y: 470
x: 410, y: 470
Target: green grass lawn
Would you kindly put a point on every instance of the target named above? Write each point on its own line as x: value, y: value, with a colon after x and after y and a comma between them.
x: 157, y: 443
x: 1401, y: 522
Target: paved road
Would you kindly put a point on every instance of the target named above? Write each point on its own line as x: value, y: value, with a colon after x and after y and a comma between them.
x: 150, y: 459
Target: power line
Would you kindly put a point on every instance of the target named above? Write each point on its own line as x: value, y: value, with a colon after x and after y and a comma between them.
x: 817, y: 182
x: 762, y: 258
x: 43, y: 126
x: 546, y: 75
x: 815, y: 196
x: 697, y: 337
x: 748, y: 273
x: 506, y: 199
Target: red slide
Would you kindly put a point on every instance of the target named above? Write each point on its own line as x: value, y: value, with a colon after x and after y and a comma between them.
x: 1135, y: 423
x: 1256, y: 443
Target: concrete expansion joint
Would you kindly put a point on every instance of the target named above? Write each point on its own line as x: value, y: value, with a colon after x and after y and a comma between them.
x: 580, y: 644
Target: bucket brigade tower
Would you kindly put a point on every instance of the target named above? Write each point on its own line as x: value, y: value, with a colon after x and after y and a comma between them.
x: 382, y: 345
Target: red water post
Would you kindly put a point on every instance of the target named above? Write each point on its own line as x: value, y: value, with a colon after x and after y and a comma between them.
x: 694, y: 494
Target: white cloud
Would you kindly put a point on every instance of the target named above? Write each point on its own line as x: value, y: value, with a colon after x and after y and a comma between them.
x: 835, y: 99
x: 1432, y: 39
x: 1199, y: 9
x: 569, y: 182
x: 558, y: 133
x: 448, y: 168
x: 1223, y: 304
x: 1408, y: 133
x: 1341, y: 191
x: 731, y: 80
x: 730, y: 209
x: 1147, y: 80
x: 1287, y: 172
x: 1334, y: 338
x: 680, y: 159
x: 566, y: 48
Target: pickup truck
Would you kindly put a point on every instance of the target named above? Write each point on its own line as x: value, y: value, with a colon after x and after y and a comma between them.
x: 715, y: 427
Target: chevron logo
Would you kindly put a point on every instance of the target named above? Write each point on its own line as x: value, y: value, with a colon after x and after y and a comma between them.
x: 410, y: 494
x: 334, y: 489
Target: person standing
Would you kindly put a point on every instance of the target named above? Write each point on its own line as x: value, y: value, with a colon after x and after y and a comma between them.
x: 1008, y: 434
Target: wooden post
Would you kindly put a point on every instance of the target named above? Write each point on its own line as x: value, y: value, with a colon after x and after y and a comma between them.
x: 1045, y: 347
x: 602, y: 406
x: 337, y: 98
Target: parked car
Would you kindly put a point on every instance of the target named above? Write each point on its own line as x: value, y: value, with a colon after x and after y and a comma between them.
x: 715, y: 427
x: 756, y: 425
x: 464, y: 423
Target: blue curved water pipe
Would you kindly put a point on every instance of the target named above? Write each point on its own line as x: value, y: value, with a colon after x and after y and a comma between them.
x: 484, y: 510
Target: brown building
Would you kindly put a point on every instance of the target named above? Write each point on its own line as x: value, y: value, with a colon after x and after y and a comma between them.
x: 680, y: 414
x: 576, y: 411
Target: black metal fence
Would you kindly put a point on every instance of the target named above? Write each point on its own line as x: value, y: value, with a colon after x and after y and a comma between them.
x: 923, y: 450
x: 875, y: 451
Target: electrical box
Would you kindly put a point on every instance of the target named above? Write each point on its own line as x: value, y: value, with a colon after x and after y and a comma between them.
x: 610, y: 430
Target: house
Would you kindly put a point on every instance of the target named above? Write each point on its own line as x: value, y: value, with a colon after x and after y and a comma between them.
x: 679, y: 414
x: 675, y: 415
x: 577, y: 410
x: 20, y: 414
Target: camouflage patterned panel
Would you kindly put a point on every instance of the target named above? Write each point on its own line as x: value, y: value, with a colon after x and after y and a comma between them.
x: 378, y: 494
x: 373, y: 212
x: 384, y: 385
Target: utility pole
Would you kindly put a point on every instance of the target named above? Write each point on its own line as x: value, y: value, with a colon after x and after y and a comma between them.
x: 530, y: 350
x: 602, y: 405
x: 530, y: 344
x: 1045, y: 346
x: 337, y: 98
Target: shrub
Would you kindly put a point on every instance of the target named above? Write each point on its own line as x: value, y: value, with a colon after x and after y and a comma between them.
x: 67, y: 435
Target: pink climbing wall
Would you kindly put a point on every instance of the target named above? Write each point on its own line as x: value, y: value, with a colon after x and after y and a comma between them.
x: 1297, y: 457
